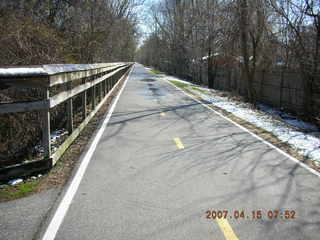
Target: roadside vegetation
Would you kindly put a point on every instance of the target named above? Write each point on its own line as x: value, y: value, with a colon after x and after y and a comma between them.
x: 64, y: 31
x: 155, y: 71
x: 180, y: 84
x: 20, y: 190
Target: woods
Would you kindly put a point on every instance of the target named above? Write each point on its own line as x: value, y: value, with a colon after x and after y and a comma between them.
x: 38, y: 32
x: 266, y: 51
x: 245, y: 40
x: 67, y: 31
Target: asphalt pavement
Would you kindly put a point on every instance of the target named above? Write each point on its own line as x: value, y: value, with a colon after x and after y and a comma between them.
x: 165, y: 162
x: 20, y: 219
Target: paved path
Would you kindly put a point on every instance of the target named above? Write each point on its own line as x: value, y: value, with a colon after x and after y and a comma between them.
x: 20, y: 219
x: 164, y: 160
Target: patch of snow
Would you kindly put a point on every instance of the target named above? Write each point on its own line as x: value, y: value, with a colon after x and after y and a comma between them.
x: 288, y: 118
x: 22, y: 71
x: 15, y: 181
x: 280, y: 63
x: 212, y: 55
x: 53, y: 140
x: 270, y: 119
x: 56, y: 135
x: 51, y: 69
x: 305, y: 143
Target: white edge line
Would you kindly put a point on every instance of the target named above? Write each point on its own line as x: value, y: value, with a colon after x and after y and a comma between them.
x: 64, y: 205
x: 251, y: 133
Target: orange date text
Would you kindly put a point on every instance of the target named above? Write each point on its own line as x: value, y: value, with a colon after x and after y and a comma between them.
x: 251, y: 215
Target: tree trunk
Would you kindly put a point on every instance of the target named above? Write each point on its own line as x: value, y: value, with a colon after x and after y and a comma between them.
x: 307, y: 99
x: 244, y: 40
x: 210, y: 72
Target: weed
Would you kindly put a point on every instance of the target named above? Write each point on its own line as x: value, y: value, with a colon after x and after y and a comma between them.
x: 18, y: 191
x: 155, y: 71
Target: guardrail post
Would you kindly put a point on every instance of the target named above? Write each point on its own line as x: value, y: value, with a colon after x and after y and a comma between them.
x: 84, y: 100
x: 46, y: 143
x: 115, y: 79
x: 108, y: 84
x: 93, y: 97
x: 69, y: 111
x: 100, y: 92
x: 104, y: 87
x: 112, y: 82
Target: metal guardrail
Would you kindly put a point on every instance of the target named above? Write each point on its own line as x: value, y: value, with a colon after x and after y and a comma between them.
x: 94, y: 77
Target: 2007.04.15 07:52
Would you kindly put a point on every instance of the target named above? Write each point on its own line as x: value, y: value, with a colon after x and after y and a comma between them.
x: 255, y: 214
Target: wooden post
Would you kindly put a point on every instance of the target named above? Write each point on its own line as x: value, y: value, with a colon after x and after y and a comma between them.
x: 84, y: 101
x: 108, y: 84
x: 100, y: 92
x: 69, y: 111
x: 104, y: 88
x: 93, y: 97
x: 46, y: 128
x: 114, y: 80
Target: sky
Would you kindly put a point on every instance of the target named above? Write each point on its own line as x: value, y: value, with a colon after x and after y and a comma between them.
x: 144, y: 18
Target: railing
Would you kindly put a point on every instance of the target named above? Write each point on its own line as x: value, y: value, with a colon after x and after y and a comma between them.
x: 99, y: 79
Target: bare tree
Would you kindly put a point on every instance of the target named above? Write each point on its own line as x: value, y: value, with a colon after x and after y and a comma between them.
x: 302, y: 19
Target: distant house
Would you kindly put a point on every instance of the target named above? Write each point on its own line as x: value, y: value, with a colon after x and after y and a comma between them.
x: 221, y: 60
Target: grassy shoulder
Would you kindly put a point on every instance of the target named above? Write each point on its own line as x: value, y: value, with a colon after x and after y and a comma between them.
x: 268, y: 136
x: 200, y: 90
x: 17, y: 191
x: 155, y: 71
x: 183, y: 86
x: 179, y: 84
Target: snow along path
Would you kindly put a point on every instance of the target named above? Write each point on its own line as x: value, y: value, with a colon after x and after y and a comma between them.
x: 306, y: 144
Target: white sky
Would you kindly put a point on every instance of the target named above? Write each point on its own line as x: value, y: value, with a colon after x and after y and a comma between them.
x: 145, y: 18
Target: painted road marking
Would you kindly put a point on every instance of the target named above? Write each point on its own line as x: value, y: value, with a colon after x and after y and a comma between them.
x: 301, y: 164
x: 226, y: 229
x: 64, y: 205
x: 178, y: 143
x: 162, y: 114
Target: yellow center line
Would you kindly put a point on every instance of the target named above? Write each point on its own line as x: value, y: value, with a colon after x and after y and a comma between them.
x: 178, y: 143
x: 162, y: 114
x: 226, y: 229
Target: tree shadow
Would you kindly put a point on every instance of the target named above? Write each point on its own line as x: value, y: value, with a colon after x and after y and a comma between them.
x: 242, y: 173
